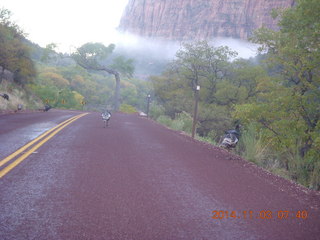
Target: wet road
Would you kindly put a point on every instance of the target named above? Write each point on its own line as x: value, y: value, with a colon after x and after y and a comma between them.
x: 16, y: 130
x: 139, y: 180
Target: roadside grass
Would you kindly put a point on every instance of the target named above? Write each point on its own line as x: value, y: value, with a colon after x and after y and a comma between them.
x: 289, y: 164
x: 181, y: 122
x: 253, y: 148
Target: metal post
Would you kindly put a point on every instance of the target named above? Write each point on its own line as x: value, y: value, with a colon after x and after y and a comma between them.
x: 195, y: 111
x: 148, y: 104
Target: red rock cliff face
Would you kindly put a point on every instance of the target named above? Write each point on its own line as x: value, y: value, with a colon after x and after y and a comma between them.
x: 198, y: 19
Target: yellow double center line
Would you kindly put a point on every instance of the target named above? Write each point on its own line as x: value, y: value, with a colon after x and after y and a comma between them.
x: 37, y: 142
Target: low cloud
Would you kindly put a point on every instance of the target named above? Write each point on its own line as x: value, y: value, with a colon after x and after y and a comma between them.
x: 151, y: 56
x: 167, y: 49
x: 244, y: 48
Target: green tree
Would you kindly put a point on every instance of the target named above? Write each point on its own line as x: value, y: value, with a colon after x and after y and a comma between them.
x: 296, y: 49
x: 172, y: 92
x: 287, y: 106
x: 197, y: 64
x: 91, y: 55
x: 14, y: 54
x: 48, y: 52
x: 202, y: 64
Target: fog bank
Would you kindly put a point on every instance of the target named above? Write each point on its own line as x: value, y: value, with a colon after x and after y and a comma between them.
x: 152, y: 55
x: 167, y: 49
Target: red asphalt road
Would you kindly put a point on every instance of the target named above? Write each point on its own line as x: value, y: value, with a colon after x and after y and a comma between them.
x: 139, y: 180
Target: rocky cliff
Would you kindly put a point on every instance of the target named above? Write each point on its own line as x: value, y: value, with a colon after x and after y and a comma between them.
x: 198, y: 19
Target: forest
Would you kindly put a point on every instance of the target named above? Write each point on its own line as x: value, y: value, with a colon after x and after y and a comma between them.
x: 275, y: 97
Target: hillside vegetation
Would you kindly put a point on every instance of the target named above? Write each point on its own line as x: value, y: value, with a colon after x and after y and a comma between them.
x: 35, y: 76
x: 275, y: 97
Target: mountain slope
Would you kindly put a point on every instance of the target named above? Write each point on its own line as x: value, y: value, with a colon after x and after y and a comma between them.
x: 198, y: 19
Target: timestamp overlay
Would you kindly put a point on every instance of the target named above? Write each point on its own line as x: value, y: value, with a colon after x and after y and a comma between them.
x: 282, y: 223
x: 263, y: 214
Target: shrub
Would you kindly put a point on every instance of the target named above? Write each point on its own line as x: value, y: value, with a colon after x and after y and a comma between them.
x: 253, y: 148
x: 315, y: 177
x: 156, y: 111
x: 165, y: 120
x: 177, y: 124
x: 126, y: 108
x: 206, y: 139
x: 183, y: 122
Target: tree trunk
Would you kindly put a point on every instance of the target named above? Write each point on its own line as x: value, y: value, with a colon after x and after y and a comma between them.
x: 1, y: 75
x: 306, y: 147
x: 116, y: 74
x: 117, y: 92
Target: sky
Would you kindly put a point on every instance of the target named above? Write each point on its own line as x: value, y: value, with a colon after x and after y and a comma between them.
x: 67, y: 23
x: 71, y: 23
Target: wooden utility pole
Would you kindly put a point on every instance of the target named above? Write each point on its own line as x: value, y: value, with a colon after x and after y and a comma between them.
x: 195, y: 113
x: 148, y: 104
